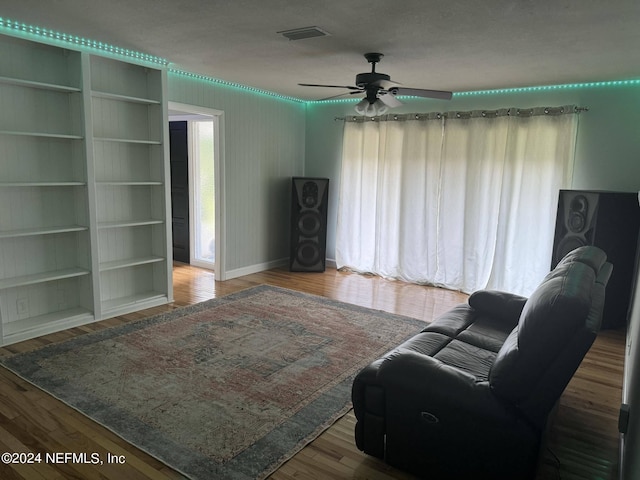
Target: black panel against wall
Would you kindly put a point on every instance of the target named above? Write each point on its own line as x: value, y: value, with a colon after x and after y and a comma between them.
x: 179, y: 160
x: 309, y: 197
x: 609, y: 220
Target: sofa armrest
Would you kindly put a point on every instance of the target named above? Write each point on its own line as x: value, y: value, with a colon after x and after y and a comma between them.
x: 412, y: 387
x: 442, y: 422
x: 501, y: 305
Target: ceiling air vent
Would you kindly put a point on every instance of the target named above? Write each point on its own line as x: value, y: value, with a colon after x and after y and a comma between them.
x: 302, y: 33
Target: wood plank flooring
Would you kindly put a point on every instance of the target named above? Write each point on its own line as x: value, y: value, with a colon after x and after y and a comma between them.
x: 583, y: 436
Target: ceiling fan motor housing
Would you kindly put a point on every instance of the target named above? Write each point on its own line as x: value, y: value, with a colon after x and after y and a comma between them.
x: 364, y: 79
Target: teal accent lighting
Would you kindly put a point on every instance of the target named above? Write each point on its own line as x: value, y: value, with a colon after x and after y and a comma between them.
x: 548, y: 88
x: 11, y: 27
x: 337, y: 100
x: 238, y: 86
x: 543, y: 88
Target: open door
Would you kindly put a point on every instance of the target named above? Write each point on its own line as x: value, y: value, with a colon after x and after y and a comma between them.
x: 197, y: 186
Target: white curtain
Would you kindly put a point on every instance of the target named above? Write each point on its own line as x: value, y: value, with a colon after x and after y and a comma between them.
x: 465, y: 201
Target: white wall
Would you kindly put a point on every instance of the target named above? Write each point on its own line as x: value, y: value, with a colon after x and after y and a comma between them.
x: 608, y: 143
x: 264, y: 141
x: 630, y: 468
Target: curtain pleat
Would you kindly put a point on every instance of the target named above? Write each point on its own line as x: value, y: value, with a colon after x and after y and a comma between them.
x: 465, y: 203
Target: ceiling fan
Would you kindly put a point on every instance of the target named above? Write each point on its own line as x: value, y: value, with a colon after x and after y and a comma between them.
x: 380, y: 92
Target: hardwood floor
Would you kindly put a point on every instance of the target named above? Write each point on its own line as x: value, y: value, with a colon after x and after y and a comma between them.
x: 583, y: 436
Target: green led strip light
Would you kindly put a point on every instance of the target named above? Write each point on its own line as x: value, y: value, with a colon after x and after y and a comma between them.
x: 568, y: 86
x: 14, y: 27
x: 239, y: 86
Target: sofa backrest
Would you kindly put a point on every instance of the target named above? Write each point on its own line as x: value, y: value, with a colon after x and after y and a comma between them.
x: 556, y: 328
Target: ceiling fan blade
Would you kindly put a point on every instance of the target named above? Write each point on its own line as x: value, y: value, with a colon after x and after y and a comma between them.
x: 385, y: 84
x: 339, y: 95
x: 328, y: 86
x: 389, y: 100
x: 419, y: 92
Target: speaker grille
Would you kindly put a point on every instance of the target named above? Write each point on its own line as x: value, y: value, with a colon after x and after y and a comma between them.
x: 577, y: 214
x: 308, y: 224
x: 578, y: 210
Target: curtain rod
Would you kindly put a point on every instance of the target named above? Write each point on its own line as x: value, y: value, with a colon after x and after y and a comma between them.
x: 524, y: 112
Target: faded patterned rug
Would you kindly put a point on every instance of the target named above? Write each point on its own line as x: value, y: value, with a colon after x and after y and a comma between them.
x: 226, y: 389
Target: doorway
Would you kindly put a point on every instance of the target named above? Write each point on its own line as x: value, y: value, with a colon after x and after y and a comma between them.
x: 196, y: 193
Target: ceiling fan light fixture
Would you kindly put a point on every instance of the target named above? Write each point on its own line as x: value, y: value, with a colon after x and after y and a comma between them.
x: 380, y: 107
x: 362, y: 105
x: 368, y: 109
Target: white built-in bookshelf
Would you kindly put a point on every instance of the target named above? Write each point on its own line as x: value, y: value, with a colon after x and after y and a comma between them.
x: 84, y: 196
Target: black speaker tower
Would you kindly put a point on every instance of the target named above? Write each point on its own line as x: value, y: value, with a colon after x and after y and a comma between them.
x: 610, y: 221
x: 309, y: 197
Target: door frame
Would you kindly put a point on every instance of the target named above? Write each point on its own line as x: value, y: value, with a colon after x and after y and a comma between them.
x: 181, y: 111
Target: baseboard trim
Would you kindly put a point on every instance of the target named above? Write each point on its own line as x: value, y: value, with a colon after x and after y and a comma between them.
x: 256, y: 268
x: 261, y: 267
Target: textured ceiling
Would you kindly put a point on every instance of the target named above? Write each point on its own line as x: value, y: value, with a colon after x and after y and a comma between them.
x: 457, y: 45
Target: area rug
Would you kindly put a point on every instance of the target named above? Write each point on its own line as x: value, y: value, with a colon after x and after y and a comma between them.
x: 226, y: 389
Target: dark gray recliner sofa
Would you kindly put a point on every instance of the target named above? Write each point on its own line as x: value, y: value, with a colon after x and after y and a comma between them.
x: 469, y: 396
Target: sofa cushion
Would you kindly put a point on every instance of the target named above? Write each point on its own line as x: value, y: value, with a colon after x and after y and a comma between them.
x: 462, y: 338
x: 467, y: 338
x: 486, y: 332
x: 427, y: 343
x: 468, y: 358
